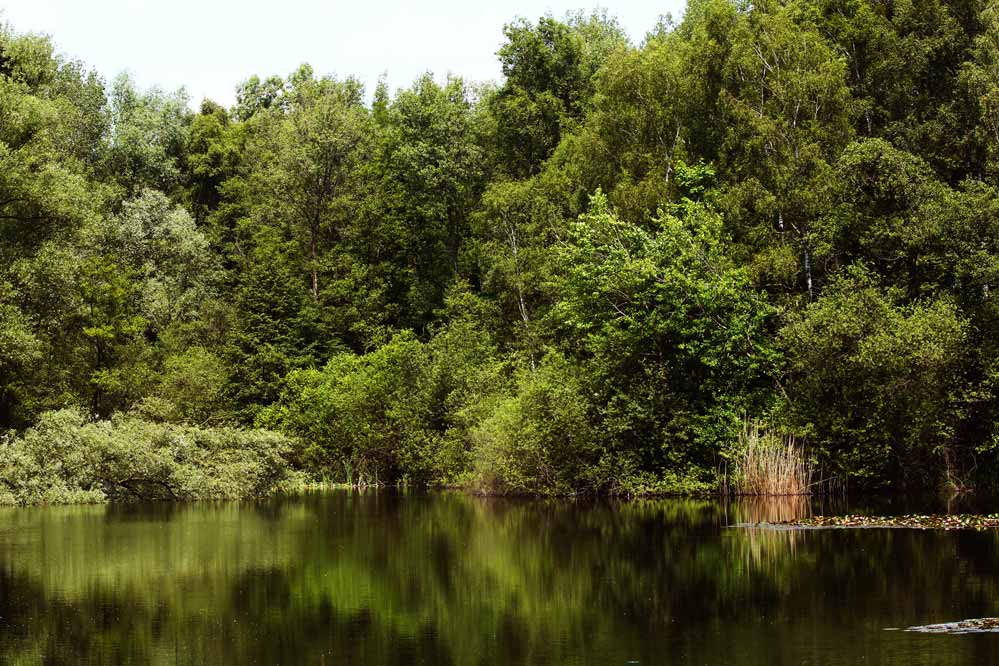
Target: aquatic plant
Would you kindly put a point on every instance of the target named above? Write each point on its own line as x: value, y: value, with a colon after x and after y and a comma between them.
x: 770, y: 464
x: 964, y: 521
x: 978, y: 625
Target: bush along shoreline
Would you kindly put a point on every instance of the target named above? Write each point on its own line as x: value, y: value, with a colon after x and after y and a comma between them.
x: 67, y: 458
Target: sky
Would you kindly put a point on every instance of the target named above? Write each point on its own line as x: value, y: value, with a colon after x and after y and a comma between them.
x: 209, y: 46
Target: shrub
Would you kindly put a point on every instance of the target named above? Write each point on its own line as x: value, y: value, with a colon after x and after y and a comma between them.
x: 358, y: 413
x: 67, y: 458
x: 877, y: 384
x: 539, y: 440
x: 399, y: 412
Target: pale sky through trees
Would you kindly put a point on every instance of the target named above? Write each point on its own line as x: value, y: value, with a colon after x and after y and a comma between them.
x: 209, y: 46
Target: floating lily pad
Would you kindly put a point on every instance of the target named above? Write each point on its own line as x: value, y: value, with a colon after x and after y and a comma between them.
x: 972, y: 626
x: 911, y: 521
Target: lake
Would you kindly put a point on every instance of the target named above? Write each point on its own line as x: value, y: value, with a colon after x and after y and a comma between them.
x: 395, y: 578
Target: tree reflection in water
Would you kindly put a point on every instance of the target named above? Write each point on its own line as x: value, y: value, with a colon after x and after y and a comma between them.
x: 383, y: 578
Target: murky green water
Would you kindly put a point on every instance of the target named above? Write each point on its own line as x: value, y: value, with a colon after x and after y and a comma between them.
x: 380, y: 578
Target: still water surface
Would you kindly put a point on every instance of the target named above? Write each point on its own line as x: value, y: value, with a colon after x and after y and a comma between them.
x: 382, y: 578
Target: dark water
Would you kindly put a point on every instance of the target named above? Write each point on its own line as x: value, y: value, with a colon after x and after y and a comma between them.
x: 379, y: 578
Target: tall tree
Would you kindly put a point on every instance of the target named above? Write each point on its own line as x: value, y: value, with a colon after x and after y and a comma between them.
x: 433, y: 170
x: 549, y: 69
x: 303, y: 167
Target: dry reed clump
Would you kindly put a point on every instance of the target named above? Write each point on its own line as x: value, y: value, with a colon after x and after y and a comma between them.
x: 771, y: 464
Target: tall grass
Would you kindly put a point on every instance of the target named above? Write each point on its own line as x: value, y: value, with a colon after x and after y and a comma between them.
x: 770, y: 464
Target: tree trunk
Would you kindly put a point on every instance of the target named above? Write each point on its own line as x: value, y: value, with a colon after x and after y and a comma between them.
x: 808, y: 272
x: 313, y: 252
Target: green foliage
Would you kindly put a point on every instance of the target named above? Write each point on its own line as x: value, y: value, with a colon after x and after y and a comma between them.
x: 549, y: 69
x: 672, y: 337
x: 276, y: 330
x: 19, y: 348
x: 67, y: 458
x: 539, y: 440
x: 433, y: 170
x: 584, y: 278
x: 211, y: 157
x: 877, y: 384
x: 514, y: 228
x: 147, y: 138
x: 399, y: 411
x: 354, y: 414
x: 191, y: 389
x: 48, y: 112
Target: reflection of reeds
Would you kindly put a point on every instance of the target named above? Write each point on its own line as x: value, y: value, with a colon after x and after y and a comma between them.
x: 756, y: 510
x: 763, y: 547
x: 771, y: 464
x: 768, y: 549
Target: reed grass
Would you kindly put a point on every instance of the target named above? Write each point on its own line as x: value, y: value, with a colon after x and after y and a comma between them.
x: 771, y: 464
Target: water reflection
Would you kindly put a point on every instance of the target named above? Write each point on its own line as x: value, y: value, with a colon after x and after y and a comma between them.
x: 380, y: 578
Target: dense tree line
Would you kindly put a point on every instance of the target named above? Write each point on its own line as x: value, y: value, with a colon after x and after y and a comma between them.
x: 584, y: 278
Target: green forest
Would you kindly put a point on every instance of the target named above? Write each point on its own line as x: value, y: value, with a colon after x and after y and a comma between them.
x: 586, y: 278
